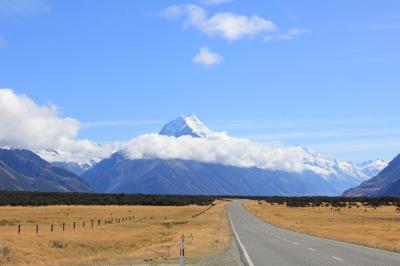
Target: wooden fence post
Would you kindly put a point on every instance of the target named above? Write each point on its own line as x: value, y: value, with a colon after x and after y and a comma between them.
x: 182, y: 253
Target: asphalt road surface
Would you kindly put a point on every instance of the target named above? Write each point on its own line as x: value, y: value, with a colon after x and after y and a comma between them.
x: 263, y: 244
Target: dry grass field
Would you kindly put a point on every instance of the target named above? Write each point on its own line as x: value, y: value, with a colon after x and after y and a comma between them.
x: 152, y: 236
x: 379, y: 228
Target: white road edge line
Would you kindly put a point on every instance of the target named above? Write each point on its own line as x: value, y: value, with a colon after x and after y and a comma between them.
x: 325, y: 239
x: 312, y: 249
x: 336, y: 258
x: 246, y: 255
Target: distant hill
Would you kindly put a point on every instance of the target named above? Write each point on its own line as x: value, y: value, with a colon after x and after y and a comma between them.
x: 386, y: 183
x: 23, y: 170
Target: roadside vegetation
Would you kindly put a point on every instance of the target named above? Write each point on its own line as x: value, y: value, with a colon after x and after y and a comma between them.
x: 373, y: 222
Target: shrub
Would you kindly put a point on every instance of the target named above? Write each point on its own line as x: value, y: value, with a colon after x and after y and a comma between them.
x: 5, y: 254
x: 58, y: 244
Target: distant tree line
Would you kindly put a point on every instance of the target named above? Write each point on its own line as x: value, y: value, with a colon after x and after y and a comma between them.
x: 8, y: 198
x: 337, y: 202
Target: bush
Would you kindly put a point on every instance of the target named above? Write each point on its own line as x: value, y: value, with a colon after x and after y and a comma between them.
x: 5, y: 254
x: 58, y: 244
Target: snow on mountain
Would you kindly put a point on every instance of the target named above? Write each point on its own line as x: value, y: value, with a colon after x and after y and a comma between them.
x: 186, y: 125
x: 224, y: 149
x: 373, y: 167
x: 385, y: 183
x: 331, y: 168
x: 76, y: 168
x: 187, y: 152
x: 187, y: 138
x: 339, y: 174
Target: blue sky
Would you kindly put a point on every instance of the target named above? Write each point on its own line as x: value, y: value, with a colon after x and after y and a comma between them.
x: 322, y: 74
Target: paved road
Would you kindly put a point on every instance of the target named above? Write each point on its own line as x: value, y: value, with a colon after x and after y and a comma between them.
x: 263, y: 244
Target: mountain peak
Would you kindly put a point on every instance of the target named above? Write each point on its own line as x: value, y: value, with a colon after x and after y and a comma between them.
x: 186, y: 125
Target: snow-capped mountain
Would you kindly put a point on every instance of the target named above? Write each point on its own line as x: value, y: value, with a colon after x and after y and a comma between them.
x: 76, y: 168
x: 385, y: 183
x: 332, y: 167
x: 187, y: 151
x: 188, y: 125
x: 333, y: 171
x: 342, y: 174
x: 373, y: 167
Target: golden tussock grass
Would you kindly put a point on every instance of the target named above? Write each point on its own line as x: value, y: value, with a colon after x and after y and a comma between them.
x: 379, y: 228
x: 154, y: 234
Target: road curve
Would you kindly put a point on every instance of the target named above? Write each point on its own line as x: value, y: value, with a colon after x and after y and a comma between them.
x: 263, y: 244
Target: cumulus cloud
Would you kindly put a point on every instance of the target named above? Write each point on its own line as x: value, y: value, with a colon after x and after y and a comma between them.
x: 219, y: 148
x: 206, y: 57
x: 24, y: 124
x: 224, y: 25
x: 292, y: 33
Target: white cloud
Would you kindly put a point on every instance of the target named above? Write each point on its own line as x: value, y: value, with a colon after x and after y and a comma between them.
x: 219, y: 148
x: 292, y: 33
x: 225, y: 25
x: 40, y: 128
x: 23, y: 7
x: 24, y: 124
x: 206, y: 57
x: 215, y: 2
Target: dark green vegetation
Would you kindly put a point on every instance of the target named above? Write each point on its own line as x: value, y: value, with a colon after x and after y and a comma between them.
x: 16, y: 198
x: 54, y: 198
x: 338, y: 202
x: 23, y: 170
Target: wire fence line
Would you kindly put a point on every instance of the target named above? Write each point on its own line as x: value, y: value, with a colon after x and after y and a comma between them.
x: 38, y: 228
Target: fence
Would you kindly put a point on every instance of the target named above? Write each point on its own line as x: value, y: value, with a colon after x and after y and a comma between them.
x: 39, y: 228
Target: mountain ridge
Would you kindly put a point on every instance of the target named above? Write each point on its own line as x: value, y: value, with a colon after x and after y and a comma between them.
x: 386, y: 183
x: 121, y: 173
x: 23, y: 170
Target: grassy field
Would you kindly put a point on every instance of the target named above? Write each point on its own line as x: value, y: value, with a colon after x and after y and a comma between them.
x: 375, y: 227
x: 152, y: 236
